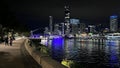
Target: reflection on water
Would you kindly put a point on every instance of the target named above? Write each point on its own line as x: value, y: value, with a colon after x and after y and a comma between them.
x: 57, y: 48
x: 105, y: 53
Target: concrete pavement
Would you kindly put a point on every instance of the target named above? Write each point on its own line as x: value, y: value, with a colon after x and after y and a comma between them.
x: 16, y: 56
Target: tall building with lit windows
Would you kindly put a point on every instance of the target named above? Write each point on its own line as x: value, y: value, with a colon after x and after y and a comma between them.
x: 67, y: 20
x: 74, y: 26
x: 113, y: 23
x: 51, y: 24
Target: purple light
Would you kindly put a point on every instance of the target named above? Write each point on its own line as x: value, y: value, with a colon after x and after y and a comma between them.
x: 110, y: 43
x: 57, y: 48
x: 113, y: 57
x: 57, y: 41
x: 35, y: 36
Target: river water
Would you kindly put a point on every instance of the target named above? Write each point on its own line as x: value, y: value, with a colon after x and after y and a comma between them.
x: 86, y: 53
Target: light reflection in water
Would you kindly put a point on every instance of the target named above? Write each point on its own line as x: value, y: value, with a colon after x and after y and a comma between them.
x: 112, y: 48
x: 113, y: 56
x: 57, y: 48
x: 88, y: 51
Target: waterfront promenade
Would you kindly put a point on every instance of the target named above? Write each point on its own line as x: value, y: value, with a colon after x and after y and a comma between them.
x: 16, y: 56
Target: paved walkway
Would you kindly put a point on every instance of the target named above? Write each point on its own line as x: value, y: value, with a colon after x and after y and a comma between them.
x: 16, y: 56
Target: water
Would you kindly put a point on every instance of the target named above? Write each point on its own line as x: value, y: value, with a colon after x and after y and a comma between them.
x: 86, y: 53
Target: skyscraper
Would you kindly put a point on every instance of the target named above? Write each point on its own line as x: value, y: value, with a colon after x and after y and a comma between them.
x: 74, y: 26
x: 51, y: 24
x: 113, y: 23
x: 67, y: 20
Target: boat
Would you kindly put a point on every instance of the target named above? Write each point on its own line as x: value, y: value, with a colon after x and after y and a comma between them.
x: 113, y: 36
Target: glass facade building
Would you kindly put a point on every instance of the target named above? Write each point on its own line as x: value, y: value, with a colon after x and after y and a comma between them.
x: 113, y: 23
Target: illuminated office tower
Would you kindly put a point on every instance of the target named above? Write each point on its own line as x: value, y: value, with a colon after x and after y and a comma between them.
x: 113, y: 23
x: 51, y: 24
x: 67, y: 20
x: 74, y: 26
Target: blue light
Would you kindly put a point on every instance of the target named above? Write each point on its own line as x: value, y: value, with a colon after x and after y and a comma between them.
x: 35, y: 36
x: 111, y: 43
x: 57, y: 41
x: 113, y: 17
x: 74, y: 21
x: 113, y: 60
x: 57, y: 37
x: 57, y: 48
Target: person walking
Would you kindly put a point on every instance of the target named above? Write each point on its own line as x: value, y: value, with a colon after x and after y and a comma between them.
x: 6, y: 40
x: 10, y: 41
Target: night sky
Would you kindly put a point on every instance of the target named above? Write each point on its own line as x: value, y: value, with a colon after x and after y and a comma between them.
x: 35, y: 13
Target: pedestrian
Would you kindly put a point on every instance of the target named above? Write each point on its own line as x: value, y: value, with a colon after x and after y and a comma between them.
x: 6, y: 40
x: 10, y: 41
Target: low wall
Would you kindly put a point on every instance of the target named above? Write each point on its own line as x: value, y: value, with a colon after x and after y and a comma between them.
x: 44, y: 60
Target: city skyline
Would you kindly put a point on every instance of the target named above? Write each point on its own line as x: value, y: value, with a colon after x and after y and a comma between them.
x: 36, y: 13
